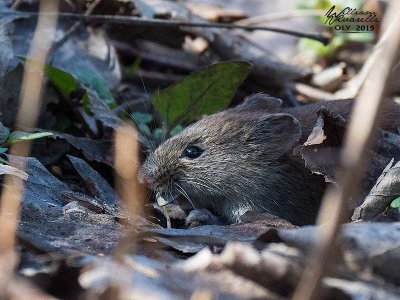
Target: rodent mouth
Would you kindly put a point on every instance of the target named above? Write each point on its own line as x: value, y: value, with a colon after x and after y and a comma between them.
x: 164, y: 198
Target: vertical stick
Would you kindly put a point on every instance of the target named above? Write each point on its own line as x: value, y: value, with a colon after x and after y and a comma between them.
x: 128, y: 187
x: 29, y: 108
x: 127, y: 166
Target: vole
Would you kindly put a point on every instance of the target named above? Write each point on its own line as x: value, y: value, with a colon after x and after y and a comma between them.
x: 241, y: 159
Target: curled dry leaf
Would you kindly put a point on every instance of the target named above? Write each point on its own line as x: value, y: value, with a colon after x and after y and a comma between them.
x: 361, y: 290
x: 103, y: 194
x: 9, y: 170
x: 128, y: 276
x: 373, y: 248
x: 102, y: 112
x: 386, y: 189
x: 321, y: 150
x: 269, y: 269
x: 94, y: 182
x: 195, y: 239
x: 139, y: 277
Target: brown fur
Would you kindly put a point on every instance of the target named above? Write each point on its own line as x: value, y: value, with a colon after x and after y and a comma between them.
x: 247, y: 162
x: 307, y: 114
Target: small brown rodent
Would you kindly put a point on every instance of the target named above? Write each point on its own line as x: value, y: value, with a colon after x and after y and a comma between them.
x: 241, y: 160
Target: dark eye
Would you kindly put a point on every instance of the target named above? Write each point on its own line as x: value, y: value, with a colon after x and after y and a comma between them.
x: 192, y: 152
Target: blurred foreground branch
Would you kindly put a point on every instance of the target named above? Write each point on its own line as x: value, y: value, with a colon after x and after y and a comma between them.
x: 30, y: 103
x: 354, y: 158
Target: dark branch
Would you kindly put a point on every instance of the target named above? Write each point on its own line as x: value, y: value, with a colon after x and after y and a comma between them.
x: 130, y: 20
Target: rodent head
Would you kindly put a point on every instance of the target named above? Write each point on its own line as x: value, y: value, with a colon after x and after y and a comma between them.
x: 222, y: 158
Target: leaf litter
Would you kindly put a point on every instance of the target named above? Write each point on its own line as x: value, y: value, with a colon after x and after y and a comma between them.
x: 72, y: 218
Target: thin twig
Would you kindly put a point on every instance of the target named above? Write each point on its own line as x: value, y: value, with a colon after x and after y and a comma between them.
x: 311, y: 92
x: 354, y: 159
x: 278, y: 16
x: 131, y: 20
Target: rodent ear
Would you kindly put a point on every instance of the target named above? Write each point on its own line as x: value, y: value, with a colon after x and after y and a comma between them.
x: 278, y: 133
x: 261, y: 101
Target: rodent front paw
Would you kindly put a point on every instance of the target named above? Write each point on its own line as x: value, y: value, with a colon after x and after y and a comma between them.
x: 198, y: 217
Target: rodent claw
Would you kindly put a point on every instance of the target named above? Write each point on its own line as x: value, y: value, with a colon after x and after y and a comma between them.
x: 198, y: 217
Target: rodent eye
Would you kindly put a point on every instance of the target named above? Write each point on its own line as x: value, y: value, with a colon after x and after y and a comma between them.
x: 192, y: 152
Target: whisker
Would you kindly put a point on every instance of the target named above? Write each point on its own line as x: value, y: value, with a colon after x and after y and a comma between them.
x: 145, y: 103
x: 184, y: 194
x: 209, y: 185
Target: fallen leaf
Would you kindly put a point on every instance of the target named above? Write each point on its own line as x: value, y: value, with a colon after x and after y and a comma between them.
x: 386, y: 189
x: 45, y: 224
x: 86, y: 50
x: 372, y: 247
x: 4, y: 133
x: 102, y: 112
x: 5, y: 169
x: 322, y: 149
x: 7, y: 59
x: 94, y: 150
x: 95, y: 183
x: 18, y: 136
x: 10, y: 87
x: 61, y: 79
x: 202, y: 92
x: 214, y: 236
x: 362, y: 289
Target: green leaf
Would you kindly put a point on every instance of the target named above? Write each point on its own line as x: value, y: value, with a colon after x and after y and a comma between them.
x: 86, y: 103
x: 63, y: 122
x: 202, y: 92
x: 68, y: 83
x: 145, y: 129
x: 141, y: 118
x: 315, y: 49
x: 131, y: 71
x: 158, y: 133
x: 362, y: 37
x: 17, y: 136
x: 325, y: 5
x: 61, y: 79
x: 395, y: 203
x: 3, y: 150
x: 4, y: 133
x: 96, y: 83
x: 176, y: 130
